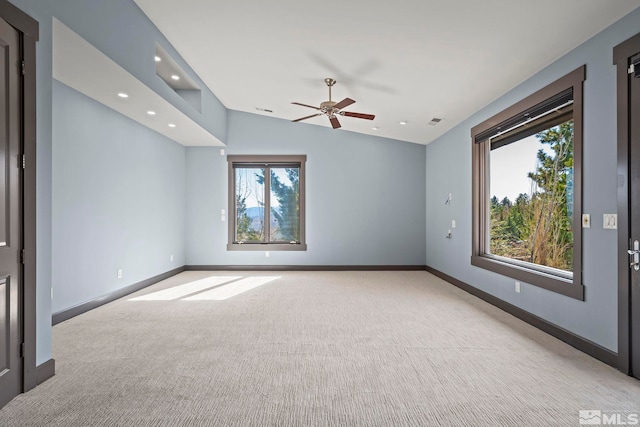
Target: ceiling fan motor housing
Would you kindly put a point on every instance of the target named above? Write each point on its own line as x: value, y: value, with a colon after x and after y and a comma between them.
x: 327, y: 107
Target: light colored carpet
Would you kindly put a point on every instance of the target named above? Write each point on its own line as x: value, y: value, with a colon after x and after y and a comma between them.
x: 314, y: 349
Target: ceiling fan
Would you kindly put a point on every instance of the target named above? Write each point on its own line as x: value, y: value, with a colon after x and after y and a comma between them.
x: 331, y: 108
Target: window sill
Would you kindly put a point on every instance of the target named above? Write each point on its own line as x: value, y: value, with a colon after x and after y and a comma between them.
x: 266, y: 247
x: 561, y: 285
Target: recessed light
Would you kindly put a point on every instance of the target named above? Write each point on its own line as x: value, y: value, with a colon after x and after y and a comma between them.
x: 123, y: 95
x: 151, y: 113
x: 157, y: 58
x: 403, y: 122
x: 171, y: 125
x: 175, y: 77
x: 375, y: 128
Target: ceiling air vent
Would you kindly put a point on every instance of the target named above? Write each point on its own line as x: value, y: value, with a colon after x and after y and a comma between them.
x: 434, y: 121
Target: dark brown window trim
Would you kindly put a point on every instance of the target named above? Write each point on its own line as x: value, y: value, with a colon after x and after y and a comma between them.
x: 266, y: 247
x: 272, y: 160
x: 570, y: 287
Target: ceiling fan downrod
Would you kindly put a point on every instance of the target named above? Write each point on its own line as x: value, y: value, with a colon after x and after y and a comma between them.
x: 330, y: 82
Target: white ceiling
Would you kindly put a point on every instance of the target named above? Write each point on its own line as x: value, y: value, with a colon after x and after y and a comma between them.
x: 406, y: 60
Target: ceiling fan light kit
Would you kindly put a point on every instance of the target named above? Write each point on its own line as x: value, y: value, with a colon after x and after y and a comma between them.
x: 331, y: 108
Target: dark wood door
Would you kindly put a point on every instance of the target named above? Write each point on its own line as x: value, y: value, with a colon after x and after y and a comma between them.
x: 634, y: 151
x: 10, y: 222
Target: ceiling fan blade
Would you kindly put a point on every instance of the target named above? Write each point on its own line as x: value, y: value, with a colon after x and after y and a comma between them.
x: 334, y: 122
x: 344, y: 103
x: 308, y: 117
x: 357, y: 115
x: 305, y: 105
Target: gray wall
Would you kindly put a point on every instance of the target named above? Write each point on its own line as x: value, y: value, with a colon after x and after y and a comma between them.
x: 449, y: 170
x: 120, y: 30
x: 118, y: 200
x: 386, y: 179
x: 365, y: 196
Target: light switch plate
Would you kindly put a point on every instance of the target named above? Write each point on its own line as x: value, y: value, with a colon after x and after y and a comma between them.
x: 586, y: 221
x: 610, y: 221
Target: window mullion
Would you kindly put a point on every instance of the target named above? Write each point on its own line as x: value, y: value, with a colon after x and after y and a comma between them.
x: 267, y: 204
x: 233, y: 206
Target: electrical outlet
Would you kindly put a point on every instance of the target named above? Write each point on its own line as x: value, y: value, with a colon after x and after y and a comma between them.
x: 171, y: 258
x: 119, y: 273
x: 518, y: 287
x: 453, y: 223
x: 266, y: 254
x: 222, y: 151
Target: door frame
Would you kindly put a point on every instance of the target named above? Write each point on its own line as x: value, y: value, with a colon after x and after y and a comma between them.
x: 29, y: 35
x: 621, y: 55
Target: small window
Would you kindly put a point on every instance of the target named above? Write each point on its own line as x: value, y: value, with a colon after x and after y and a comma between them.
x: 266, y: 203
x: 526, y: 190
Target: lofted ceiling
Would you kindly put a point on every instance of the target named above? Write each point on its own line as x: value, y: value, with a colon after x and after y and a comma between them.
x: 404, y: 61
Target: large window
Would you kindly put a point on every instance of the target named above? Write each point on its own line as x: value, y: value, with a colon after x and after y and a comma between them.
x: 527, y: 189
x: 266, y: 203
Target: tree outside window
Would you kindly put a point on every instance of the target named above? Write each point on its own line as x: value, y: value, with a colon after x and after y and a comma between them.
x: 537, y: 225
